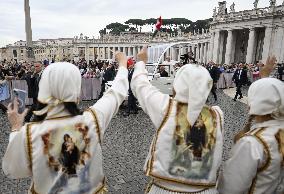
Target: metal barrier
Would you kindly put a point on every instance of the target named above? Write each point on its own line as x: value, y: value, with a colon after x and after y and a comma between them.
x: 90, y: 89
x: 225, y: 81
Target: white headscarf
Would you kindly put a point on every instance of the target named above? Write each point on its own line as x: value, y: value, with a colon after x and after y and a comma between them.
x: 60, y: 82
x: 192, y: 85
x: 266, y: 96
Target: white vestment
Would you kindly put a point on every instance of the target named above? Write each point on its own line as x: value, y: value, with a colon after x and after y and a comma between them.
x: 63, y: 154
x: 255, y: 165
x: 175, y: 168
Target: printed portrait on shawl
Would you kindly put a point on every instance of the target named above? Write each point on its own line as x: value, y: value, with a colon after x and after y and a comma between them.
x: 193, y: 147
x: 67, y: 154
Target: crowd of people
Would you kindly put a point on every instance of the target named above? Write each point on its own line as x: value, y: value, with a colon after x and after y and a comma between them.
x: 20, y: 70
x: 186, y: 150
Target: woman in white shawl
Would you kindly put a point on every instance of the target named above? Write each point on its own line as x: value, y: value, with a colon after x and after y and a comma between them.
x: 62, y: 151
x: 186, y: 151
x: 256, y: 164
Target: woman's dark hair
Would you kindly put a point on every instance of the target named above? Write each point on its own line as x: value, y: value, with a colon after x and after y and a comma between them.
x: 71, y: 107
x: 65, y: 137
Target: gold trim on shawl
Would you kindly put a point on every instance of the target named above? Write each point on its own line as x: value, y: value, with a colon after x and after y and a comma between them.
x: 101, y: 190
x: 266, y: 151
x: 280, y: 140
x: 182, y: 182
x: 171, y: 190
x: 58, y: 118
x: 153, y: 149
x: 29, y: 145
x: 32, y: 189
x: 152, y: 159
x: 93, y: 112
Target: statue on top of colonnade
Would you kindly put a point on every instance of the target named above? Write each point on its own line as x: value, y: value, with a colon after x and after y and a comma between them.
x: 232, y: 7
x: 272, y: 2
x: 255, y: 4
x: 222, y: 9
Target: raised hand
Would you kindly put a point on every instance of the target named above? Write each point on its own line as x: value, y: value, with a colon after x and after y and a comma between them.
x: 121, y: 59
x: 143, y: 55
x: 268, y: 67
x: 15, y: 118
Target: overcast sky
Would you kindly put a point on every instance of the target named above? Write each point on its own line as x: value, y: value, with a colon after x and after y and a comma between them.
x: 68, y: 18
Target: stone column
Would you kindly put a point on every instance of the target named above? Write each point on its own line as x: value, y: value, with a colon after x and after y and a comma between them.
x: 168, y: 53
x: 134, y: 52
x: 105, y: 52
x: 198, y: 53
x: 205, y: 53
x: 216, y: 48
x: 108, y: 53
x: 211, y: 47
x: 251, y: 45
x: 126, y: 51
x: 87, y: 54
x: 112, y: 52
x: 228, y: 55
x: 172, y: 53
x: 266, y: 43
x: 202, y: 52
x: 179, y: 52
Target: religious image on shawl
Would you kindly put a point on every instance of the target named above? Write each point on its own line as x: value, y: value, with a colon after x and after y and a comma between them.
x: 67, y: 151
x: 193, y: 147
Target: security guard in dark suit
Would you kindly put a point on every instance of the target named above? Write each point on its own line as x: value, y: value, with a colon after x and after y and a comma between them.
x: 240, y: 78
x: 132, y: 106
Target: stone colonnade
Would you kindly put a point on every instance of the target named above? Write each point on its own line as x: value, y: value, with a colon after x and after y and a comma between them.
x: 105, y: 52
x: 226, y: 46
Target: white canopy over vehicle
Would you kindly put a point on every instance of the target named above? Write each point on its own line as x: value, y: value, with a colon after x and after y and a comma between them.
x: 157, y: 55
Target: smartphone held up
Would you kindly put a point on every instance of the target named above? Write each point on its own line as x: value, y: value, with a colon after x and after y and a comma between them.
x: 21, y: 97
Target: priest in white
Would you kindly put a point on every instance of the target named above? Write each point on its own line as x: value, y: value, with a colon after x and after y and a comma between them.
x: 62, y: 153
x: 256, y: 164
x: 186, y: 151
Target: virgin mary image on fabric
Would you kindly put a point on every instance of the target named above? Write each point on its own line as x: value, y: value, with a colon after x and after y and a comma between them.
x: 192, y: 150
x: 68, y: 157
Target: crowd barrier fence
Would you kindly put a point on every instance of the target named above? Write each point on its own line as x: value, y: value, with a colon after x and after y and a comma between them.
x: 90, y: 90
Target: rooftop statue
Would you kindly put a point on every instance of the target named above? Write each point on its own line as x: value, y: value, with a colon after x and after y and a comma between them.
x: 272, y: 2
x: 255, y: 4
x: 214, y: 12
x: 222, y: 8
x: 232, y: 7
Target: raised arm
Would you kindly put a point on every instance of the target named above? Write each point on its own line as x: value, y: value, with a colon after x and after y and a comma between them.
x: 153, y: 102
x: 15, y: 163
x: 109, y: 104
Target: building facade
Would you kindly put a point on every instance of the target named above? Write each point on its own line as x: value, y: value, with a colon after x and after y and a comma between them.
x: 245, y: 36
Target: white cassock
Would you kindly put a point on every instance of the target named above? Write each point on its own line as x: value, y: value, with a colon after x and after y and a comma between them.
x: 63, y: 154
x: 255, y: 165
x: 176, y: 162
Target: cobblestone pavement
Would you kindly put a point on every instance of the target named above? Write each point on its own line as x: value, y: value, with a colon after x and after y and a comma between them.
x: 126, y: 144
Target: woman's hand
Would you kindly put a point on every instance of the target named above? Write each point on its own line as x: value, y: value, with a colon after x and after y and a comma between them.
x: 143, y: 55
x: 15, y: 118
x: 121, y: 59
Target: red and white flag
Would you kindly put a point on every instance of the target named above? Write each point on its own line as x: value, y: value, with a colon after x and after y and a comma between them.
x: 158, y: 26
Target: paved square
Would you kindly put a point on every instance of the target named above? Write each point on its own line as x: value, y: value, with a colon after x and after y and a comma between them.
x: 125, y: 146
